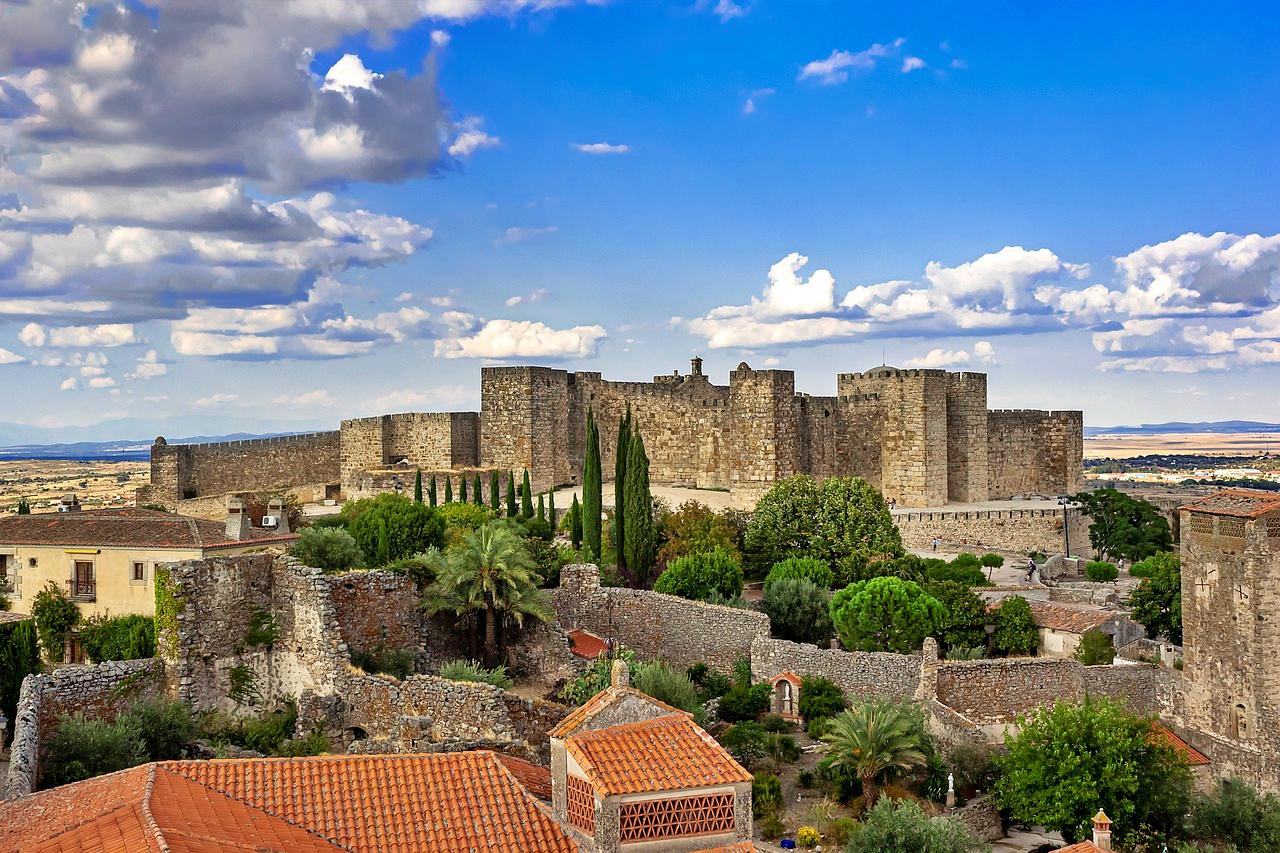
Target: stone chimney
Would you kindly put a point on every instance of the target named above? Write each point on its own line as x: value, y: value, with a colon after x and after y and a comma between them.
x: 69, y: 503
x: 1102, y: 830
x: 620, y: 676
x: 695, y: 366
x: 237, y: 519
x: 275, y: 509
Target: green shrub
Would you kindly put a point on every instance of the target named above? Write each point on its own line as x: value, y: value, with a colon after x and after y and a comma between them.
x: 537, y: 528
x: 711, y: 683
x: 5, y: 603
x: 466, y: 516
x: 333, y: 521
x: 840, y: 830
x: 966, y: 653
x: 816, y: 571
x: 783, y: 748
x: 747, y: 742
x: 118, y: 638
x: 391, y: 526
x: 969, y: 573
x: 744, y: 702
x: 820, y: 697
x: 697, y: 576
x: 903, y: 825
x: 83, y: 748
x: 1100, y: 571
x: 693, y: 528
x: 55, y: 616
x: 805, y: 779
x: 798, y: 611
x: 263, y: 630
x: 1237, y: 814
x: 962, y: 560
x: 422, y: 568
x: 596, y: 677
x: 19, y: 657
x: 267, y: 732
x: 668, y: 685
x: 330, y: 549
x: 964, y: 623
x: 1096, y: 648
x: 774, y: 723
x: 166, y: 728
x: 817, y: 727
x: 314, y: 743
x: 465, y: 670
x: 398, y: 663
x: 242, y: 685
x: 885, y: 614
x: 766, y: 794
x: 1016, y: 632
x: 992, y: 561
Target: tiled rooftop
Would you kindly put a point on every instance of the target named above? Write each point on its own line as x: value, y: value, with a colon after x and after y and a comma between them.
x: 1057, y: 616
x: 582, y: 715
x: 663, y: 754
x: 585, y: 644
x: 446, y: 802
x: 131, y: 527
x: 1189, y: 753
x: 1243, y: 503
x: 1080, y: 847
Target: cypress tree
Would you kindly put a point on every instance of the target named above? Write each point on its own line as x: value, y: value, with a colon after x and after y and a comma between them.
x: 551, y: 511
x: 431, y: 491
x: 478, y: 495
x: 542, y: 508
x: 511, y: 494
x: 575, y: 523
x: 620, y: 489
x: 526, y: 497
x: 417, y: 486
x: 639, y: 533
x: 591, y: 491
x: 462, y: 489
x: 495, y: 497
x: 448, y: 489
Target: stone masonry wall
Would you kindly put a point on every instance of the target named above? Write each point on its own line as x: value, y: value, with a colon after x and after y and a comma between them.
x: 524, y: 422
x: 654, y: 625
x: 180, y: 471
x: 764, y: 441
x: 1019, y: 530
x: 862, y: 674
x: 1034, y: 452
x: 100, y: 692
x: 967, y: 462
x: 437, y: 441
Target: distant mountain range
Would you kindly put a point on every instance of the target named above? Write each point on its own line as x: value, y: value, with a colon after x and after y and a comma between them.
x: 1185, y: 427
x: 131, y: 438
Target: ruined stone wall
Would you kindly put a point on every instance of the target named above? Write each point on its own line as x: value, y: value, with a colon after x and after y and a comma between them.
x: 914, y: 436
x: 764, y: 440
x: 181, y: 471
x: 967, y: 463
x: 523, y: 422
x: 859, y: 674
x: 996, y: 691
x: 683, y: 420
x: 654, y: 625
x: 1020, y: 530
x: 99, y: 692
x: 1034, y: 453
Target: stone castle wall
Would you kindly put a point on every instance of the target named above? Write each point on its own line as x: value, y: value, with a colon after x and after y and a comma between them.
x: 431, y: 441
x: 1035, y: 453
x: 1021, y: 530
x: 183, y: 471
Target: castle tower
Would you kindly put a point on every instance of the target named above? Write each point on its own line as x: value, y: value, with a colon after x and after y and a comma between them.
x: 1231, y: 635
x: 764, y: 443
x: 967, y: 437
x: 524, y: 423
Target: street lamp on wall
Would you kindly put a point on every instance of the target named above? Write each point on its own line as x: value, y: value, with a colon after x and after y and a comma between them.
x: 1064, y: 501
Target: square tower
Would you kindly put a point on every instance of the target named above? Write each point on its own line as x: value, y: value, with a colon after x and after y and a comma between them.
x: 524, y: 423
x: 1231, y: 622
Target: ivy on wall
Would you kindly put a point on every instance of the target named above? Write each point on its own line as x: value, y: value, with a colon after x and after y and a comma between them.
x: 168, y: 605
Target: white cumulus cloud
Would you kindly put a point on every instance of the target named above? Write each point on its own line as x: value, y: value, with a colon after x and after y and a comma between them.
x: 507, y: 339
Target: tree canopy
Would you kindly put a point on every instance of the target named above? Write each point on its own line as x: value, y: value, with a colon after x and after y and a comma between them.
x: 391, y: 526
x: 700, y: 576
x: 1157, y: 602
x: 1123, y: 526
x: 885, y: 615
x: 1016, y: 632
x: 965, y: 619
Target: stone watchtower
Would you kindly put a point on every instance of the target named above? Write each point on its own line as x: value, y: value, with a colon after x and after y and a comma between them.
x: 1231, y: 631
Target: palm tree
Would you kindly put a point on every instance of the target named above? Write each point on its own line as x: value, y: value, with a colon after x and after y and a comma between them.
x: 872, y: 738
x: 491, y: 572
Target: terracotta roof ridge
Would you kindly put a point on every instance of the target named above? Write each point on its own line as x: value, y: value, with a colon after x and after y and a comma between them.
x: 639, y: 725
x: 149, y: 823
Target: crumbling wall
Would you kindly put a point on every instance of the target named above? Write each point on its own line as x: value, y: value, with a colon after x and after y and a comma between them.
x: 996, y: 691
x: 100, y: 692
x: 654, y: 625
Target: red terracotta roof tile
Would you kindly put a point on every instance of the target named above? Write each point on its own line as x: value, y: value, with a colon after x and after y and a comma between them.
x: 664, y: 754
x: 586, y: 645
x: 536, y: 780
x: 1243, y: 503
x: 583, y: 714
x: 130, y: 527
x: 1080, y: 847
x: 1057, y: 616
x: 1192, y: 756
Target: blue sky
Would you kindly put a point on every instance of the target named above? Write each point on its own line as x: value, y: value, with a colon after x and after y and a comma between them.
x: 298, y: 212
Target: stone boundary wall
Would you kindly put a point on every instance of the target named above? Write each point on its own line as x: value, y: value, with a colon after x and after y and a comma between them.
x: 1020, y: 530
x: 183, y: 471
x: 100, y: 692
x: 863, y: 674
x: 214, y: 507
x: 654, y: 625
x: 981, y: 817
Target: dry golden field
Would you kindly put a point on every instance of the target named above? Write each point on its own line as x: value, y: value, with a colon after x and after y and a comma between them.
x: 43, y: 481
x: 1209, y: 443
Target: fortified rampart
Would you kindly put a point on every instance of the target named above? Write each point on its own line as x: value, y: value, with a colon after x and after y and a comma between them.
x: 923, y: 437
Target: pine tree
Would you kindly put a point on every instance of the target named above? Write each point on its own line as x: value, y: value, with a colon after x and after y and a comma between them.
x: 417, y: 486
x: 575, y: 523
x: 591, y: 491
x: 526, y: 497
x: 448, y: 489
x: 431, y: 491
x: 639, y: 534
x: 542, y: 508
x: 511, y: 494
x: 620, y: 489
x: 495, y: 496
x: 477, y: 495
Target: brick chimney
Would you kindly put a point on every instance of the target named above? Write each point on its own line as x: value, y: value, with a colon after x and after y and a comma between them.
x: 237, y: 519
x: 1102, y: 830
x: 275, y: 509
x: 620, y: 675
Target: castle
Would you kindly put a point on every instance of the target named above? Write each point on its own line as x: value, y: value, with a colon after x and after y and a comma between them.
x: 923, y: 437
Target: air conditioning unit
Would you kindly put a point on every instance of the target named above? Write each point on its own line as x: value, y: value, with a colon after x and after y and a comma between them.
x: 271, y: 521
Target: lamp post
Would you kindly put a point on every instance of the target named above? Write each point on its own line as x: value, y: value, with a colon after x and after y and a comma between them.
x: 1065, y: 502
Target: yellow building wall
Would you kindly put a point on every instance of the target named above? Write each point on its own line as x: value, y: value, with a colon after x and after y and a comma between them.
x: 116, y: 591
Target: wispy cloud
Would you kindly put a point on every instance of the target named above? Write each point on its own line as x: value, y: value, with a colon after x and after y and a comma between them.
x: 517, y: 234
x: 836, y: 67
x: 600, y: 148
x: 749, y: 107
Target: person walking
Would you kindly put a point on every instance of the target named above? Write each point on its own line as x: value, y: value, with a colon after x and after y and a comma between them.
x: 1031, y: 568
x: 936, y: 543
